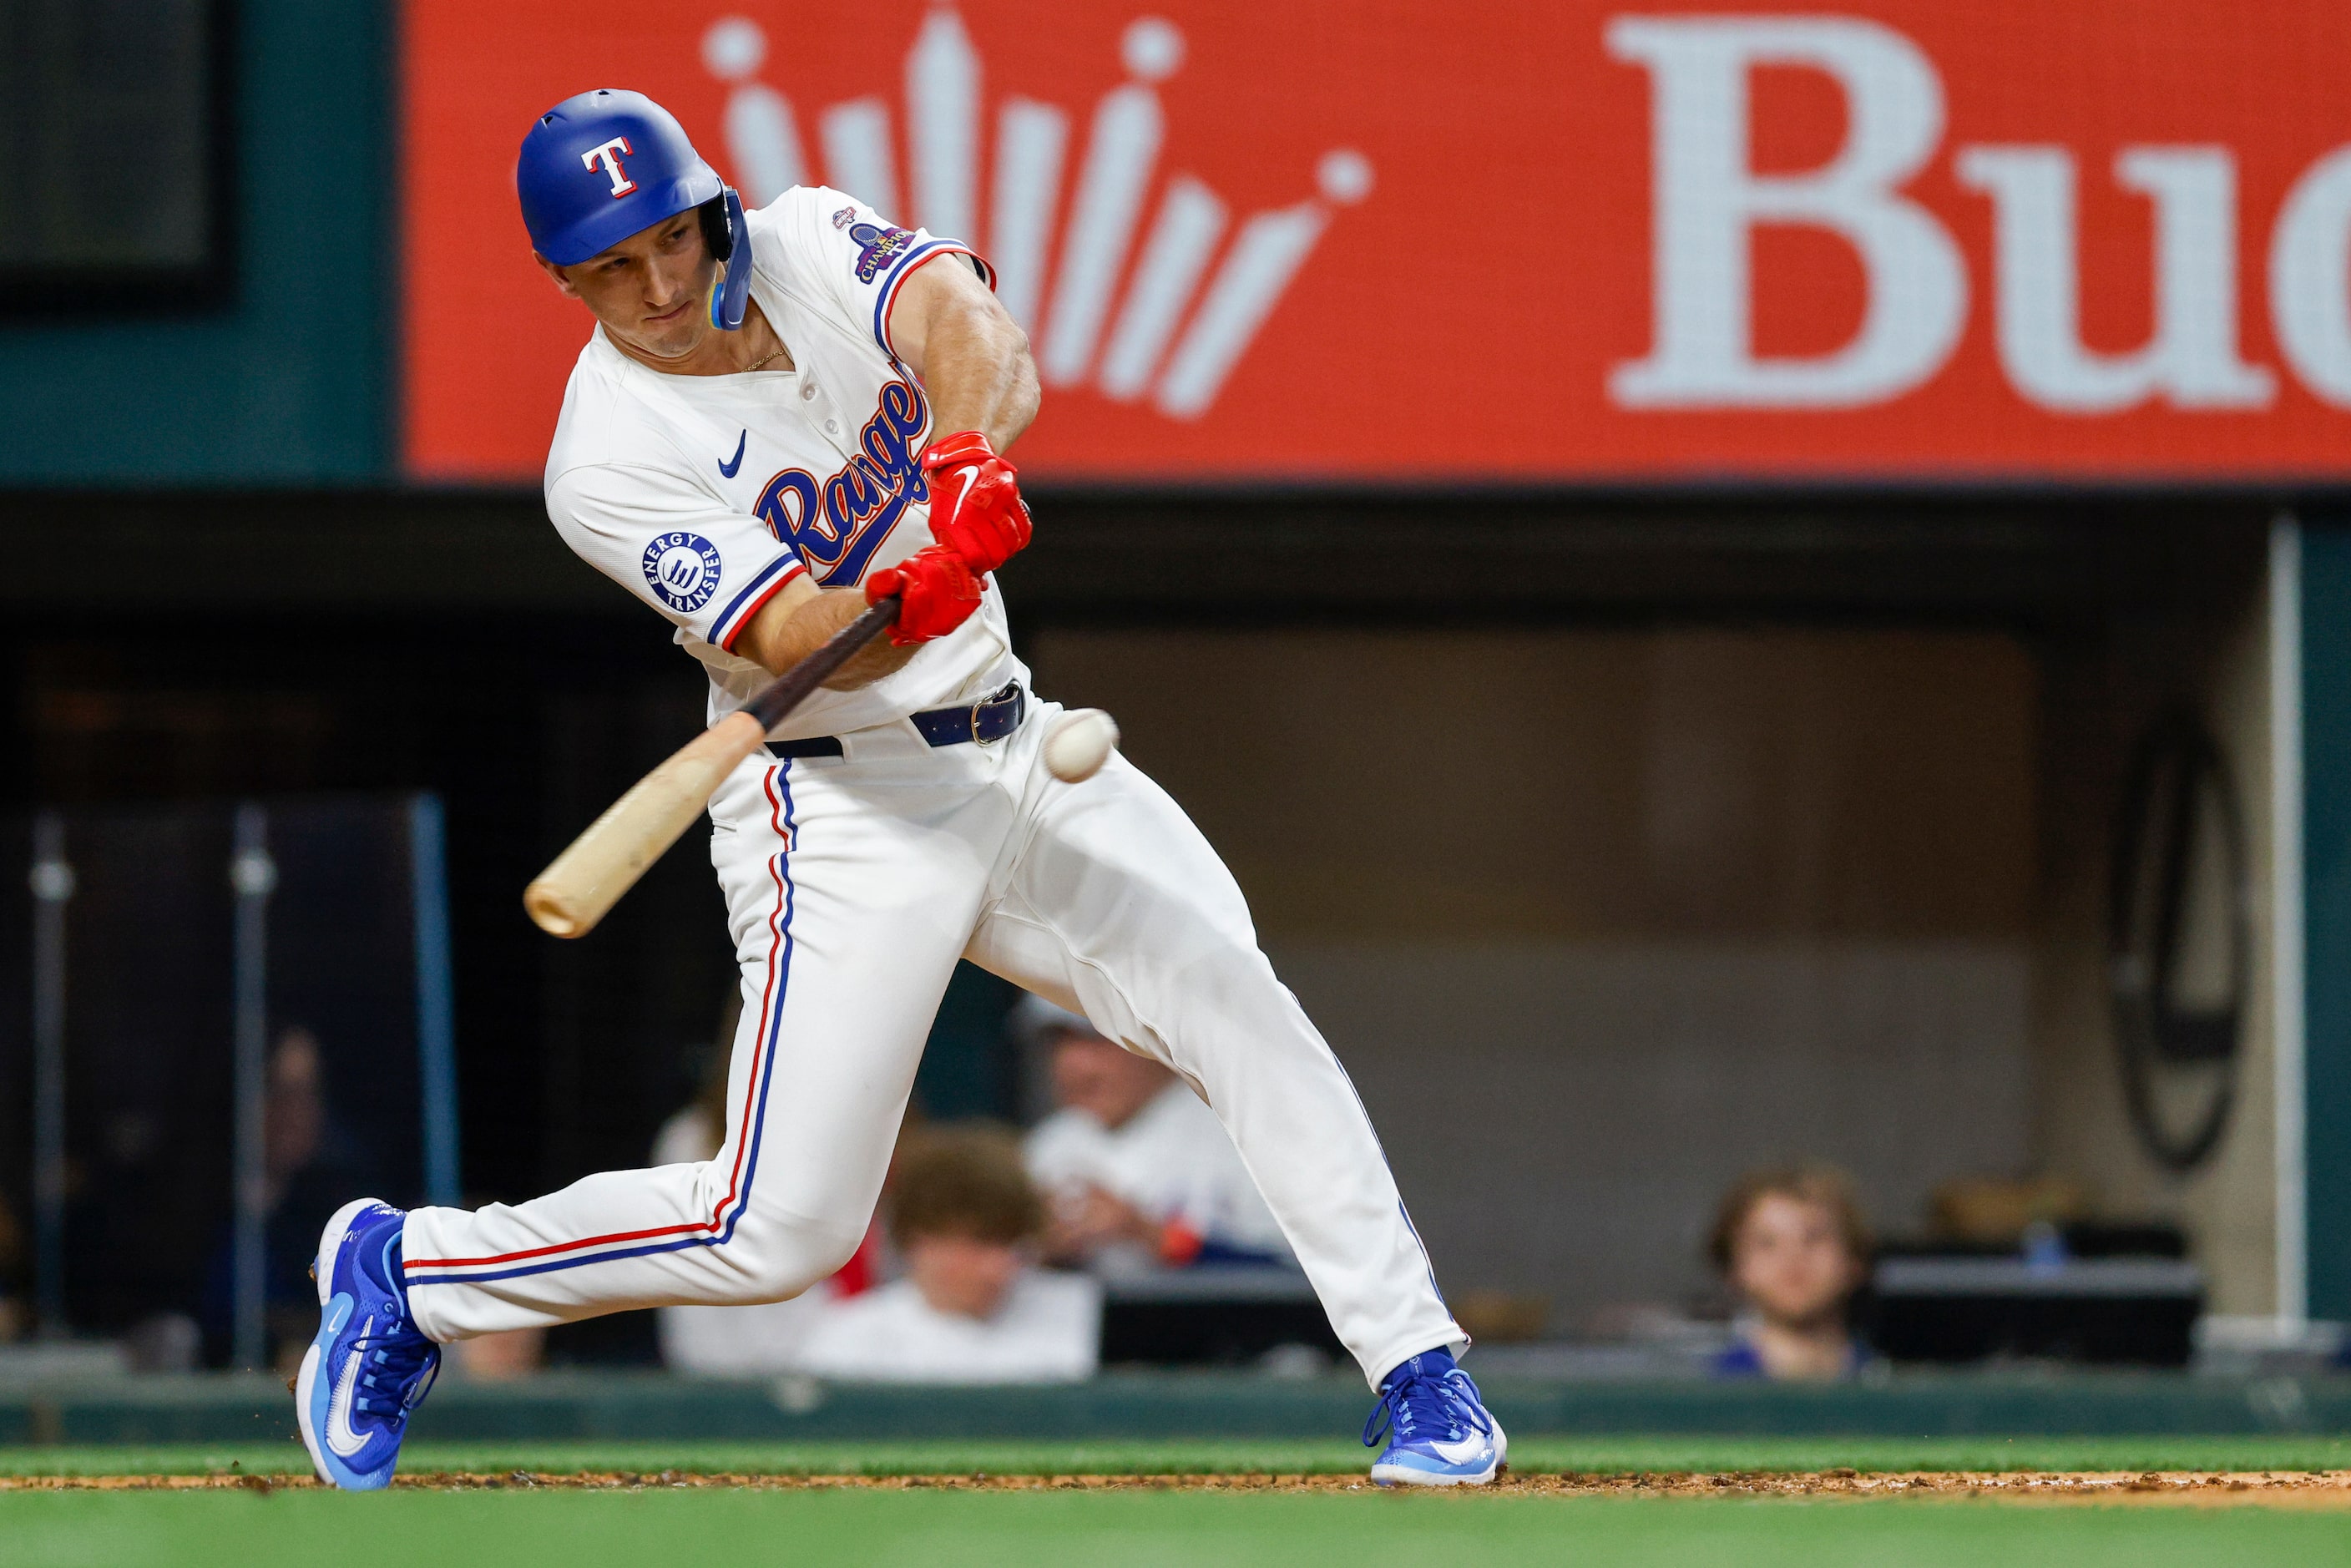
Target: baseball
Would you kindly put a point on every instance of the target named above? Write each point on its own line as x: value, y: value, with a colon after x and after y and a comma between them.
x: 1081, y: 742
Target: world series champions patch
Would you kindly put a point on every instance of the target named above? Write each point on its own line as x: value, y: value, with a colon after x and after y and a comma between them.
x: 877, y: 247
x: 683, y: 569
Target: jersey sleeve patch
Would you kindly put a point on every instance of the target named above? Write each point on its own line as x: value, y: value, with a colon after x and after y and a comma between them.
x: 684, y: 569
x: 706, y: 566
x: 877, y: 247
x: 861, y: 259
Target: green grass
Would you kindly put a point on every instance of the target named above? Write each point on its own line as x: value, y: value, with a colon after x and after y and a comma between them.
x: 519, y: 1529
x: 1534, y: 1453
x: 1145, y: 1529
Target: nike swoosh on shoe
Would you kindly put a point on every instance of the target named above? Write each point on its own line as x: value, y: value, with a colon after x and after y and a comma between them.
x: 340, y: 1438
x: 1462, y: 1451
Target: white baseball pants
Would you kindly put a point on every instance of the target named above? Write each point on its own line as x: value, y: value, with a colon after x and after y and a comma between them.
x: 853, y: 885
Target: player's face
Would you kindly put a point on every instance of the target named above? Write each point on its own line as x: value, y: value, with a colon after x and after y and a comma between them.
x: 651, y: 290
x: 1106, y: 1083
x: 1791, y: 1262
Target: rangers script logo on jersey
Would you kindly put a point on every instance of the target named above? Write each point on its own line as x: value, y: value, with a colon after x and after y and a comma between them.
x: 835, y: 524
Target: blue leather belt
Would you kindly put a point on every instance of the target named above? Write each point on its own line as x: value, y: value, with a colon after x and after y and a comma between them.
x: 991, y: 718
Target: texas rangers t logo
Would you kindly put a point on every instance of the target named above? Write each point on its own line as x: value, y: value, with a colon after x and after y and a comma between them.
x: 609, y: 156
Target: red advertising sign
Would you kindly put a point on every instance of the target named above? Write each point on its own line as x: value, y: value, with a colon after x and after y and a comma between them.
x: 2013, y: 238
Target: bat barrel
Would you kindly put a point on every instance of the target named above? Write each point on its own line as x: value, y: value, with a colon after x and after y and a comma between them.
x: 583, y: 882
x: 588, y: 877
x: 554, y: 909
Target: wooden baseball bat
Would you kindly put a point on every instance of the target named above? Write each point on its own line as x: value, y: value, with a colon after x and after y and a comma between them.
x: 588, y: 877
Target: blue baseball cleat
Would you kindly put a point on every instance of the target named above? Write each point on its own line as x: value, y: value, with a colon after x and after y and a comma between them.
x: 370, y: 1367
x: 1438, y: 1431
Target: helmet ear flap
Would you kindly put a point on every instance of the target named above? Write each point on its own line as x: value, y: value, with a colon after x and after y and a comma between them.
x: 715, y: 232
x: 727, y: 233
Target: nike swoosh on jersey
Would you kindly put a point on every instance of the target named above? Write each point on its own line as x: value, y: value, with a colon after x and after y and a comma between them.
x: 340, y: 1438
x: 727, y: 469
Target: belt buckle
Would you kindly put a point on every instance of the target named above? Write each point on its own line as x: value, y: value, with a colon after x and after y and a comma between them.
x: 1010, y: 691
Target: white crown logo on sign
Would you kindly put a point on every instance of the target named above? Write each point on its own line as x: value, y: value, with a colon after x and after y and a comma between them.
x: 1086, y: 333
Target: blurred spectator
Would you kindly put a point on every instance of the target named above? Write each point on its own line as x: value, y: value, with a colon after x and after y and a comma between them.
x: 971, y: 1309
x: 310, y: 1164
x: 1134, y: 1165
x: 16, y: 1314
x: 1793, y: 1242
x: 167, y: 1342
x: 502, y: 1357
x: 738, y: 1342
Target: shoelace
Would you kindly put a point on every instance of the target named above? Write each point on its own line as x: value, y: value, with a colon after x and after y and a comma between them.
x: 1420, y: 1407
x: 391, y: 1365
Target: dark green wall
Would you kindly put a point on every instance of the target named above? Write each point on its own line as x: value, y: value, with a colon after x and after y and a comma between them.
x: 293, y: 383
x: 2326, y: 830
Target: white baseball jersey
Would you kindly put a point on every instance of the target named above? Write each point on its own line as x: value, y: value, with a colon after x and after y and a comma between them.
x: 704, y: 494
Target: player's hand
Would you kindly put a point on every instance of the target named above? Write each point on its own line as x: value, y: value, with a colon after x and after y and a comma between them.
x: 1084, y: 1222
x: 935, y: 593
x: 976, y: 506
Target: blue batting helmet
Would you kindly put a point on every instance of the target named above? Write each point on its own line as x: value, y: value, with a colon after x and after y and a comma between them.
x: 602, y: 165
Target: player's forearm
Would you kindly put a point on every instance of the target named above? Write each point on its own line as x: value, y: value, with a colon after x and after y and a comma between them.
x: 800, y: 620
x: 978, y: 371
x: 878, y: 658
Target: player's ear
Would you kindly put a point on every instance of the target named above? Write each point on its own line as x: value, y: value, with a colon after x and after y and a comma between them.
x: 562, y: 282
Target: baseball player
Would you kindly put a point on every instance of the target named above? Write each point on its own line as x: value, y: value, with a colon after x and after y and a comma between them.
x: 780, y: 417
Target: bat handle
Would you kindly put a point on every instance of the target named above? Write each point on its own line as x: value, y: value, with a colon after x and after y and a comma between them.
x: 788, y: 690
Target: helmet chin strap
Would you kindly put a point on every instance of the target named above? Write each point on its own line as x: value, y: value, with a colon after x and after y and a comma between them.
x: 730, y: 293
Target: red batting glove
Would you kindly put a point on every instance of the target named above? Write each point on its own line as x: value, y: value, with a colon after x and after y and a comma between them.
x: 936, y: 593
x: 976, y: 506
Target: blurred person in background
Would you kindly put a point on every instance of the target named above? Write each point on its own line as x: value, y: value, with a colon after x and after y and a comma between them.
x: 764, y: 1338
x: 309, y: 1161
x: 1136, y: 1169
x: 1793, y: 1243
x: 507, y: 1356
x: 16, y: 1314
x: 972, y: 1308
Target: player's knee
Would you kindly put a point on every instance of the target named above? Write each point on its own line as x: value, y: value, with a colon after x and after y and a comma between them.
x: 830, y: 1254
x: 778, y: 1260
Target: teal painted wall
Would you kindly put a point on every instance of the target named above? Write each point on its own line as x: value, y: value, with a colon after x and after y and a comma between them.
x: 293, y: 383
x: 2326, y: 830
